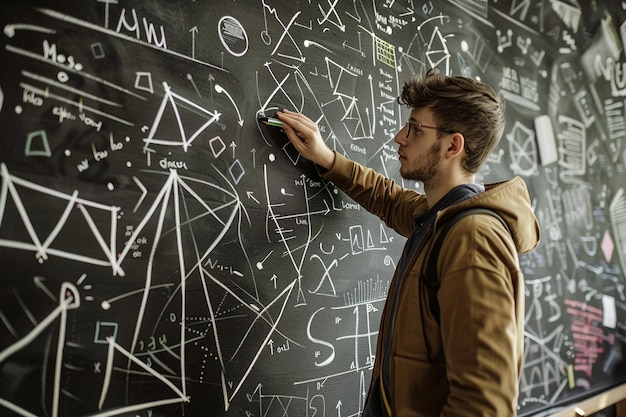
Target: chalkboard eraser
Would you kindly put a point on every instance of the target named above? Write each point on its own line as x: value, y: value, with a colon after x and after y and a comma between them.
x: 545, y: 140
x: 271, y: 121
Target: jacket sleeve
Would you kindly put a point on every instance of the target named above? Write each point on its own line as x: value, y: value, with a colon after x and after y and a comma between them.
x: 381, y: 196
x: 482, y: 302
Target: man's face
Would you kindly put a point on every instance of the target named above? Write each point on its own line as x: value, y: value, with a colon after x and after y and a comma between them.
x: 418, y: 147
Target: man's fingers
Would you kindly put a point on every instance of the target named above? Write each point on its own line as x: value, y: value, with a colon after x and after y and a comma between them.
x: 292, y: 134
x: 298, y: 120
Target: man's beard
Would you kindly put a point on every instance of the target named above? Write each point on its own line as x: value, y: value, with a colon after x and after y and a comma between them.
x: 428, y: 168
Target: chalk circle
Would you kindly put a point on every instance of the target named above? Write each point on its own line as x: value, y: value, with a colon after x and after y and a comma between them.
x: 62, y: 76
x: 266, y: 38
x: 272, y: 157
x: 233, y: 36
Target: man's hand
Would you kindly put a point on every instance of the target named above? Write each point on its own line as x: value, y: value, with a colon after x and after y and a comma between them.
x: 306, y: 138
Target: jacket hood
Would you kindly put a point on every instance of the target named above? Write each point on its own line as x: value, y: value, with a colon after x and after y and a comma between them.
x: 511, y: 200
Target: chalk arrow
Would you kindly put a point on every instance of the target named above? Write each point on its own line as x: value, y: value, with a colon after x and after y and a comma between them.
x: 327, y: 208
x: 211, y: 80
x: 39, y: 284
x: 221, y: 90
x: 144, y: 192
x: 373, y: 121
x: 9, y: 30
x: 193, y: 31
x: 308, y: 43
x: 250, y: 195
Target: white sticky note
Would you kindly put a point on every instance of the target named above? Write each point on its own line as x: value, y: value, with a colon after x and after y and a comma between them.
x: 609, y: 318
x: 545, y: 140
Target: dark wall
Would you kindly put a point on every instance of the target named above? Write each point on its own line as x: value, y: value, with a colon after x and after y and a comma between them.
x: 165, y: 254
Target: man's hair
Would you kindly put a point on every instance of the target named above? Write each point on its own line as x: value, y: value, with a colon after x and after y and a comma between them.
x: 460, y: 104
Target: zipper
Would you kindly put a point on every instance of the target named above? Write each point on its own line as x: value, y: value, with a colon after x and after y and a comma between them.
x: 396, y: 295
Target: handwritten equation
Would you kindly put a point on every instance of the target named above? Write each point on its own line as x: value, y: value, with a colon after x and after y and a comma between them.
x: 165, y: 253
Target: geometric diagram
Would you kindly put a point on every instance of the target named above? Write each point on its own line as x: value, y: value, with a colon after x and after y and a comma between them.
x: 236, y: 171
x: 261, y: 317
x: 174, y: 187
x: 143, y: 81
x: 172, y: 216
x: 67, y: 206
x: 523, y: 150
x: 437, y: 52
x: 248, y: 331
x: 97, y: 50
x: 543, y: 366
x: 285, y: 405
x: 217, y: 146
x: 42, y: 150
x: 211, y: 294
x: 236, y: 342
x: 327, y: 18
x: 193, y: 121
x: 74, y: 210
x: 427, y: 51
x: 105, y: 330
x: 179, y: 398
x: 540, y: 376
x: 200, y: 292
x: 69, y: 299
x: 343, y: 83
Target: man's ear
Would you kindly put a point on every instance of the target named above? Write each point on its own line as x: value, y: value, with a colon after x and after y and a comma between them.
x: 456, y: 144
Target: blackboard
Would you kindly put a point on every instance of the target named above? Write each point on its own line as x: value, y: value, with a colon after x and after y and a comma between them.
x: 165, y: 254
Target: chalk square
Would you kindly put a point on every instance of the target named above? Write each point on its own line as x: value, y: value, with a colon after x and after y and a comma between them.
x: 104, y: 330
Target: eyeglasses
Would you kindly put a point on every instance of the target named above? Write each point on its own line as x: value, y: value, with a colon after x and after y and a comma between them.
x: 420, y: 126
x: 410, y: 125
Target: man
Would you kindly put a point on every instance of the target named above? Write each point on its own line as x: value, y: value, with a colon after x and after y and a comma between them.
x: 466, y: 361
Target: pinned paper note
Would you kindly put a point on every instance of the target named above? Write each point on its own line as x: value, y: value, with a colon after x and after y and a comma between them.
x: 545, y: 140
x: 609, y: 318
